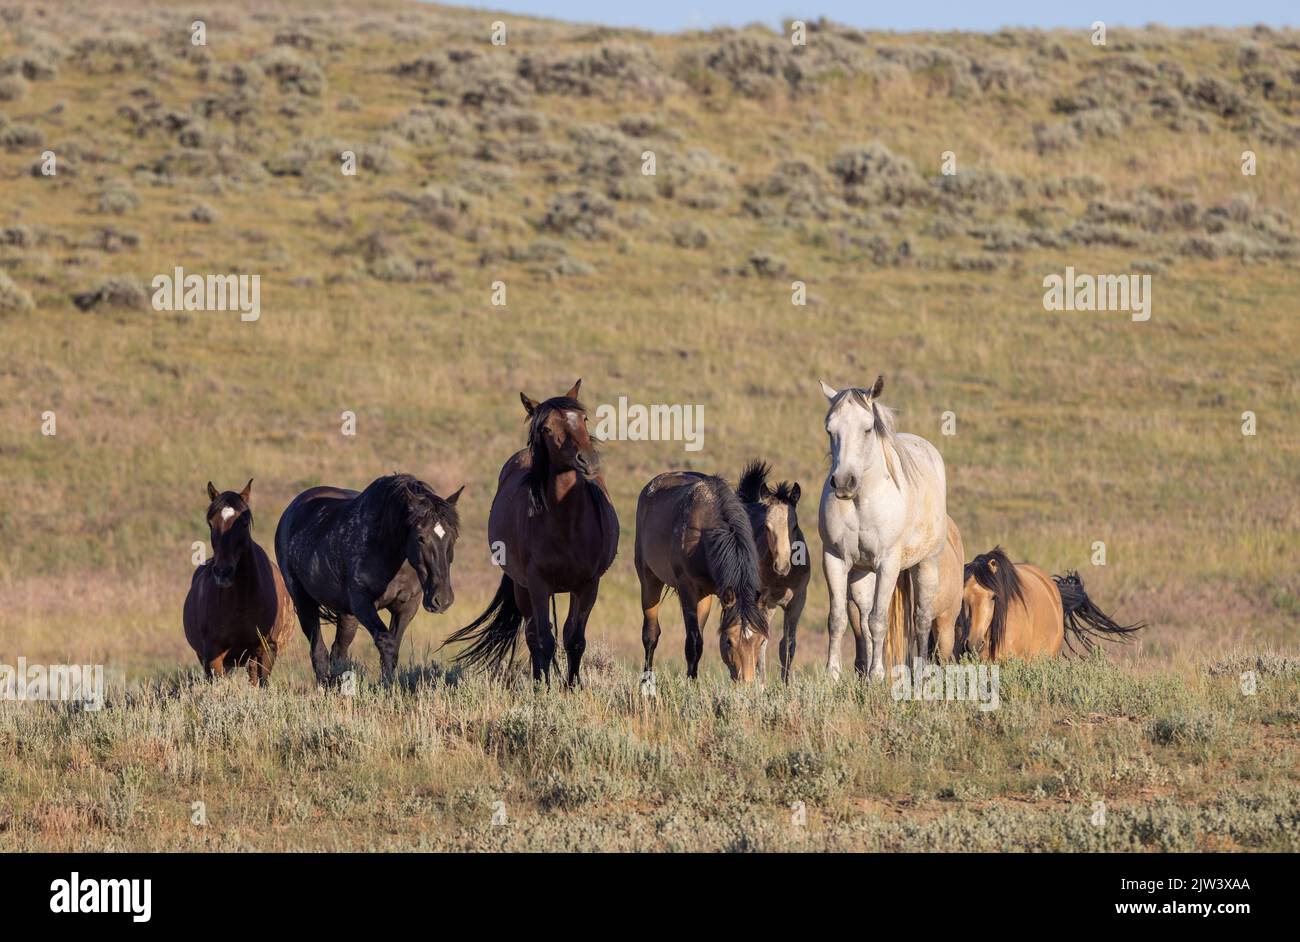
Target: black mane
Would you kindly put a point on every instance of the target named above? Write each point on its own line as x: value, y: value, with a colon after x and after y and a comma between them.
x: 1004, y: 583
x: 732, y: 555
x: 403, y: 501
x: 754, y: 478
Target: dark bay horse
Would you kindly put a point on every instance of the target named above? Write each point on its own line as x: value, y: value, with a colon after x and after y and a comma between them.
x: 782, y: 553
x: 553, y: 520
x: 693, y: 535
x: 346, y: 554
x: 1017, y: 610
x: 237, y: 610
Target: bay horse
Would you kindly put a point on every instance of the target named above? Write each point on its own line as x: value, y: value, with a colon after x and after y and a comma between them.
x: 1018, y: 610
x: 940, y: 638
x: 346, y: 555
x: 553, y: 519
x: 694, y: 535
x: 237, y: 610
x: 883, y: 510
x: 783, y: 567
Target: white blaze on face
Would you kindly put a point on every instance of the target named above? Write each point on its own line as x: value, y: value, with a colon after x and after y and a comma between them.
x: 227, y: 513
x: 439, y: 532
x: 778, y: 524
x: 572, y: 419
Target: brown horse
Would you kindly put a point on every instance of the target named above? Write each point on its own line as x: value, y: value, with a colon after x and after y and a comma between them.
x: 1017, y: 610
x: 554, y: 522
x: 693, y: 535
x: 782, y: 554
x: 237, y: 610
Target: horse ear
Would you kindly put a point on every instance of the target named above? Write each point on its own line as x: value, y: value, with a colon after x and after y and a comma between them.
x: 794, y: 493
x: 455, y: 497
x: 879, y: 385
x: 828, y: 391
x: 530, y: 405
x: 573, y: 393
x: 248, y: 489
x: 212, y: 492
x: 728, y: 597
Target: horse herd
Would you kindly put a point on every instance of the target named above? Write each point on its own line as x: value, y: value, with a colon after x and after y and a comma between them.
x: 892, y: 557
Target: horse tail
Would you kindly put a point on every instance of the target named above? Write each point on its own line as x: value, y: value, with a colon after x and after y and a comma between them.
x: 1084, y: 620
x: 493, y: 634
x: 902, y: 620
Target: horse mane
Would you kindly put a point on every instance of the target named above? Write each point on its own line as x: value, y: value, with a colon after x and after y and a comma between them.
x: 403, y: 501
x: 884, y: 420
x: 539, y: 463
x: 1005, y: 585
x: 752, y: 480
x: 732, y: 555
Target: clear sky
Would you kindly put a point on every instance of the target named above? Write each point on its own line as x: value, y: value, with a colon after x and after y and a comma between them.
x: 670, y: 15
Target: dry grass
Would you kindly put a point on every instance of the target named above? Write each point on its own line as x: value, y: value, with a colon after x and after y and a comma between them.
x: 1071, y: 428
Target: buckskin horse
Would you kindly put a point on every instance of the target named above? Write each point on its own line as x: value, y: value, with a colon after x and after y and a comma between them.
x: 693, y: 535
x: 346, y: 555
x: 237, y: 610
x: 782, y: 553
x: 554, y: 524
x: 883, y: 510
x: 1017, y: 610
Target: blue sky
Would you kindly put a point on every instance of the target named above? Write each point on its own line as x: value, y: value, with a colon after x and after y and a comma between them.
x: 670, y: 15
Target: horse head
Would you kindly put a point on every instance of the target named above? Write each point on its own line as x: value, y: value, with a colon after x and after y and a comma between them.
x: 557, y: 434
x: 742, y: 638
x: 230, y: 523
x: 431, y: 546
x: 855, y: 426
x: 772, y: 513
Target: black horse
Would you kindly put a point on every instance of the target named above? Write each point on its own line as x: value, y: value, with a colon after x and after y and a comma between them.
x: 345, y: 555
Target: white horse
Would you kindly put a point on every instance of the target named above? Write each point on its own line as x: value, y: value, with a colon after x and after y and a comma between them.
x: 884, y: 510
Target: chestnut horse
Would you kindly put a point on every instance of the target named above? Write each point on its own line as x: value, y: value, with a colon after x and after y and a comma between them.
x: 553, y: 522
x: 237, y: 610
x: 693, y: 535
x: 346, y: 554
x: 782, y: 553
x: 1017, y: 610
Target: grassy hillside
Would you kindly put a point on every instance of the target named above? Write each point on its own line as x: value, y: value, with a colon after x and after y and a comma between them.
x: 522, y: 164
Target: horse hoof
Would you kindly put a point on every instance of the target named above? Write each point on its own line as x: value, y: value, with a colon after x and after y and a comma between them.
x: 648, y: 684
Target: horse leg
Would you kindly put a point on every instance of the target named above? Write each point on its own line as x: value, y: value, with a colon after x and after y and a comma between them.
x: 878, y: 621
x: 652, y: 593
x: 363, y: 609
x: 836, y: 571
x: 925, y: 586
x: 215, y: 665
x: 789, y: 631
x: 399, y: 619
x: 575, y: 626
x: 695, y: 612
x: 347, y: 630
x: 309, y: 618
x: 541, y: 640
x: 862, y: 589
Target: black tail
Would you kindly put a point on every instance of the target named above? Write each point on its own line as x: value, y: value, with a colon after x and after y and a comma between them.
x: 1085, y: 620
x: 494, y: 633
